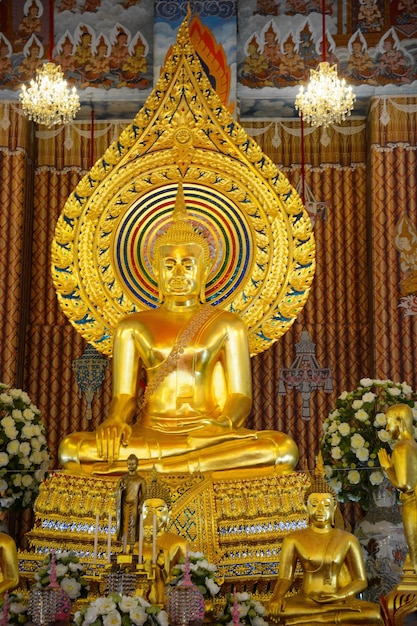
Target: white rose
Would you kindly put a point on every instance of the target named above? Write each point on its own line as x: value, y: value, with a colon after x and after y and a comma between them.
x: 380, y: 419
x: 27, y: 480
x: 162, y: 618
x: 8, y: 422
x: 11, y: 432
x: 353, y: 477
x: 28, y: 414
x: 357, y: 441
x: 394, y: 391
x: 15, y: 393
x: 366, y: 382
x: 36, y: 457
x: 27, y: 431
x: 212, y: 586
x: 334, y: 414
x: 336, y: 453
x: 4, y: 459
x: 343, y: 395
x: 384, y: 435
x: 361, y: 415
x: 344, y: 429
x: 34, y: 442
x: 368, y: 396
x: 328, y: 471
x: 17, y: 480
x: 25, y: 462
x: 13, y: 447
x: 25, y: 448
x: 3, y: 485
x: 61, y: 570
x: 336, y: 484
x: 406, y: 388
x: 357, y: 404
x: 335, y: 439
x: 333, y: 427
x: 17, y: 415
x: 376, y: 478
x: 24, y: 397
x: 6, y: 399
x: 362, y: 454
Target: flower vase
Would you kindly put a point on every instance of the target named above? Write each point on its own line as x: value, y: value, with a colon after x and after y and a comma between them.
x: 384, y: 547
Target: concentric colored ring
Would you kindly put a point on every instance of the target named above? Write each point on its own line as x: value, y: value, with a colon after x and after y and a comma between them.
x: 212, y: 213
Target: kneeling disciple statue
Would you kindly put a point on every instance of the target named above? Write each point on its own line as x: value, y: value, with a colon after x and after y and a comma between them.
x: 198, y: 371
x: 332, y: 565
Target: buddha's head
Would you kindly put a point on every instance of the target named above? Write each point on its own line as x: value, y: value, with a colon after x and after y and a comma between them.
x: 132, y: 462
x: 399, y: 420
x: 157, y: 505
x: 320, y: 498
x: 181, y: 256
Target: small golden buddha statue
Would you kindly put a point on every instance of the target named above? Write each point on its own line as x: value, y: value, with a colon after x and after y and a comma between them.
x: 166, y: 548
x: 401, y: 469
x: 9, y: 566
x: 199, y: 387
x: 333, y: 570
x: 130, y: 494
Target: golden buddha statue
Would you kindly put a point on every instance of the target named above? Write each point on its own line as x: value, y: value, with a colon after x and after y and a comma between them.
x: 9, y: 566
x: 199, y: 388
x: 130, y: 494
x: 333, y: 569
x: 168, y: 548
x: 401, y: 469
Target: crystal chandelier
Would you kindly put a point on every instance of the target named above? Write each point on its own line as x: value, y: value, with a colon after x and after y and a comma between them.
x: 327, y: 98
x: 48, y: 100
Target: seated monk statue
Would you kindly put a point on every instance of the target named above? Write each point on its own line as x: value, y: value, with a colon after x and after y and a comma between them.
x: 401, y: 469
x: 199, y: 390
x: 169, y: 546
x: 332, y: 565
x: 9, y: 565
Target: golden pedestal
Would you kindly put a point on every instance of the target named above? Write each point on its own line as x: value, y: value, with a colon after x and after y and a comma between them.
x: 399, y: 607
x: 236, y: 518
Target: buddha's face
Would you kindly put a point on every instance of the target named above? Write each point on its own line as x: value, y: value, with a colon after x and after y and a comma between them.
x: 321, y: 509
x: 181, y: 271
x: 132, y: 463
x: 159, y: 508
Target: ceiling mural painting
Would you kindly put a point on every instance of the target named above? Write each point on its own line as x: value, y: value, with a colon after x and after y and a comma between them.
x: 256, y: 53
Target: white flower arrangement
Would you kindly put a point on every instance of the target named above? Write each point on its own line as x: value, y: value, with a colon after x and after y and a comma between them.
x: 115, y: 609
x: 70, y: 574
x: 17, y: 610
x: 202, y: 573
x: 251, y: 612
x: 24, y: 455
x: 354, y: 433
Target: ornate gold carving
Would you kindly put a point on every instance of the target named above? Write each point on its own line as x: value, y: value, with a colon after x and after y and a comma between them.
x: 184, y: 132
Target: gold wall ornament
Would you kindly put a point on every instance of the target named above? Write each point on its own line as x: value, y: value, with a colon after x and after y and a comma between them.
x: 259, y: 234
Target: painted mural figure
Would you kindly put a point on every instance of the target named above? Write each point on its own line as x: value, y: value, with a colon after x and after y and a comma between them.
x: 97, y: 70
x: 392, y: 63
x: 307, y: 48
x: 30, y: 24
x: 292, y: 65
x: 119, y: 50
x: 266, y: 7
x: 31, y: 61
x: 360, y: 65
x: 272, y: 50
x: 83, y: 49
x: 255, y: 68
x: 369, y: 16
x: 6, y: 68
x: 407, y: 11
x: 64, y: 57
x: 134, y: 67
x: 406, y: 244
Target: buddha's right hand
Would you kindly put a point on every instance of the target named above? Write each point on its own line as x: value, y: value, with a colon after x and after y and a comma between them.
x: 276, y: 606
x: 112, y: 433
